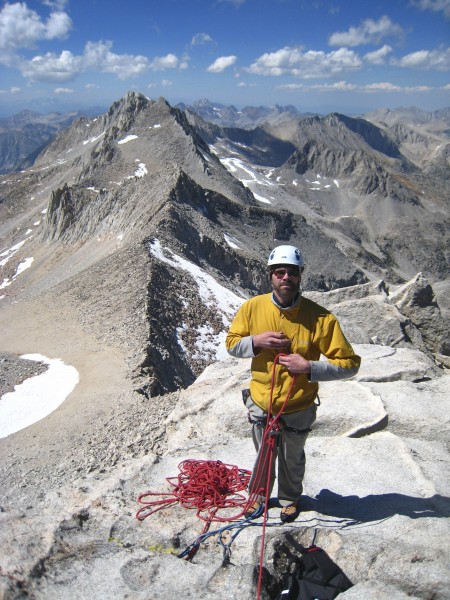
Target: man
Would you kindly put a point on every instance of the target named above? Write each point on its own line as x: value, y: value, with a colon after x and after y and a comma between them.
x: 295, y: 331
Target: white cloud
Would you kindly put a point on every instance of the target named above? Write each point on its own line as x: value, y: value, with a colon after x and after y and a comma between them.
x: 58, y: 25
x: 221, y: 63
x: 378, y: 57
x: 433, y: 5
x: 67, y: 66
x: 344, y: 86
x: 98, y: 56
x: 391, y: 87
x: 162, y: 63
x: 12, y: 90
x: 201, y: 38
x: 52, y: 68
x: 369, y: 32
x: 307, y: 65
x: 21, y: 27
x: 339, y: 86
x: 162, y: 83
x: 58, y: 4
x: 384, y: 86
x: 438, y: 60
x: 61, y: 90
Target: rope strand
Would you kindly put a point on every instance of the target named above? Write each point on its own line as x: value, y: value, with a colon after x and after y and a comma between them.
x: 267, y: 448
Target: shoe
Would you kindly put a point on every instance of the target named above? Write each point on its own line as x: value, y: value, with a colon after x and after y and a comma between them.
x: 254, y: 510
x: 289, y: 513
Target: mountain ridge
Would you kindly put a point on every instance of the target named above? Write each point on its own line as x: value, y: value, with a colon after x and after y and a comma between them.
x: 146, y: 176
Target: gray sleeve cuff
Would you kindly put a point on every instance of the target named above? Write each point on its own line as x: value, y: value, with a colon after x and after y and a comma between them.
x: 325, y: 371
x: 243, y: 349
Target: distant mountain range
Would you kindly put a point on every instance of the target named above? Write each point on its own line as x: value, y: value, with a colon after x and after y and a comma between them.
x: 24, y: 135
x: 247, y: 118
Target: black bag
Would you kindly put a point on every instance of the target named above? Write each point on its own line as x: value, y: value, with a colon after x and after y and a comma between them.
x: 316, y: 577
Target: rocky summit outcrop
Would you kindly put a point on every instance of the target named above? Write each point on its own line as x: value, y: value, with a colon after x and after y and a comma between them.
x: 376, y: 498
x: 406, y: 316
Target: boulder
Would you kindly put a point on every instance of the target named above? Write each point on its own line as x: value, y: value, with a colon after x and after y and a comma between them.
x: 409, y: 316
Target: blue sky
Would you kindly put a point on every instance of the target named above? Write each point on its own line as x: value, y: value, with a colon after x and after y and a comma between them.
x: 318, y: 55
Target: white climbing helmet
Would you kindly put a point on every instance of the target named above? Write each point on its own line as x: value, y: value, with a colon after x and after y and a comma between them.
x: 286, y: 255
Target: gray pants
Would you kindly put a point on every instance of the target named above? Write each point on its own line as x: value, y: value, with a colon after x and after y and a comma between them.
x: 288, y: 451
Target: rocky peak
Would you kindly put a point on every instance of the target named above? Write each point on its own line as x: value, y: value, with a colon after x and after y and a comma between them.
x: 372, y: 135
x: 132, y: 103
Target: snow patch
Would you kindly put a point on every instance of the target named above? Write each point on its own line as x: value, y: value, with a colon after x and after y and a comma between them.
x: 23, y: 266
x: 231, y: 241
x: 10, y: 252
x: 127, y: 139
x: 140, y: 171
x: 36, y: 397
x: 261, y: 198
x: 93, y: 139
x: 212, y: 293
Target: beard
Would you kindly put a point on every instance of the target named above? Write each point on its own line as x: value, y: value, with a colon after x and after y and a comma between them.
x: 286, y: 291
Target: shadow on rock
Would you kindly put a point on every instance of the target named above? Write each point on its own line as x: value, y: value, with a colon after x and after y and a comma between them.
x: 376, y: 507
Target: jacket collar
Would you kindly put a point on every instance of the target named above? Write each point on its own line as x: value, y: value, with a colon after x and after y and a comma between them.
x: 295, y: 301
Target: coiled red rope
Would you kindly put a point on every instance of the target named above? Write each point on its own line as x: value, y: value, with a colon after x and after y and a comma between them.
x: 208, y: 486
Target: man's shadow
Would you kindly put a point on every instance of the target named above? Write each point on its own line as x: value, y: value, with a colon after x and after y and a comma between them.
x: 376, y: 507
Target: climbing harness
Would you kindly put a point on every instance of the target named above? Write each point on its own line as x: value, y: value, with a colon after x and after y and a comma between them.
x: 214, y: 489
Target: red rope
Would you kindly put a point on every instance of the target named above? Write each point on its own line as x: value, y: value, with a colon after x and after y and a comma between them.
x: 266, y: 453
x: 261, y: 484
x: 207, y: 486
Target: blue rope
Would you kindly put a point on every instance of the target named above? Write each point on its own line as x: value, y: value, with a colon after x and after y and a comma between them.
x: 238, y: 526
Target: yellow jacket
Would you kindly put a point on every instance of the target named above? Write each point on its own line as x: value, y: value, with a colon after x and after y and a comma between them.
x: 313, y: 332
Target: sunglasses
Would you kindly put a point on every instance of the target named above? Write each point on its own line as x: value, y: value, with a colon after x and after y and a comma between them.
x: 280, y: 273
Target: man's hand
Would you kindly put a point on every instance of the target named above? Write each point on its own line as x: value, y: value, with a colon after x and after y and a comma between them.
x: 295, y: 363
x: 273, y: 340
